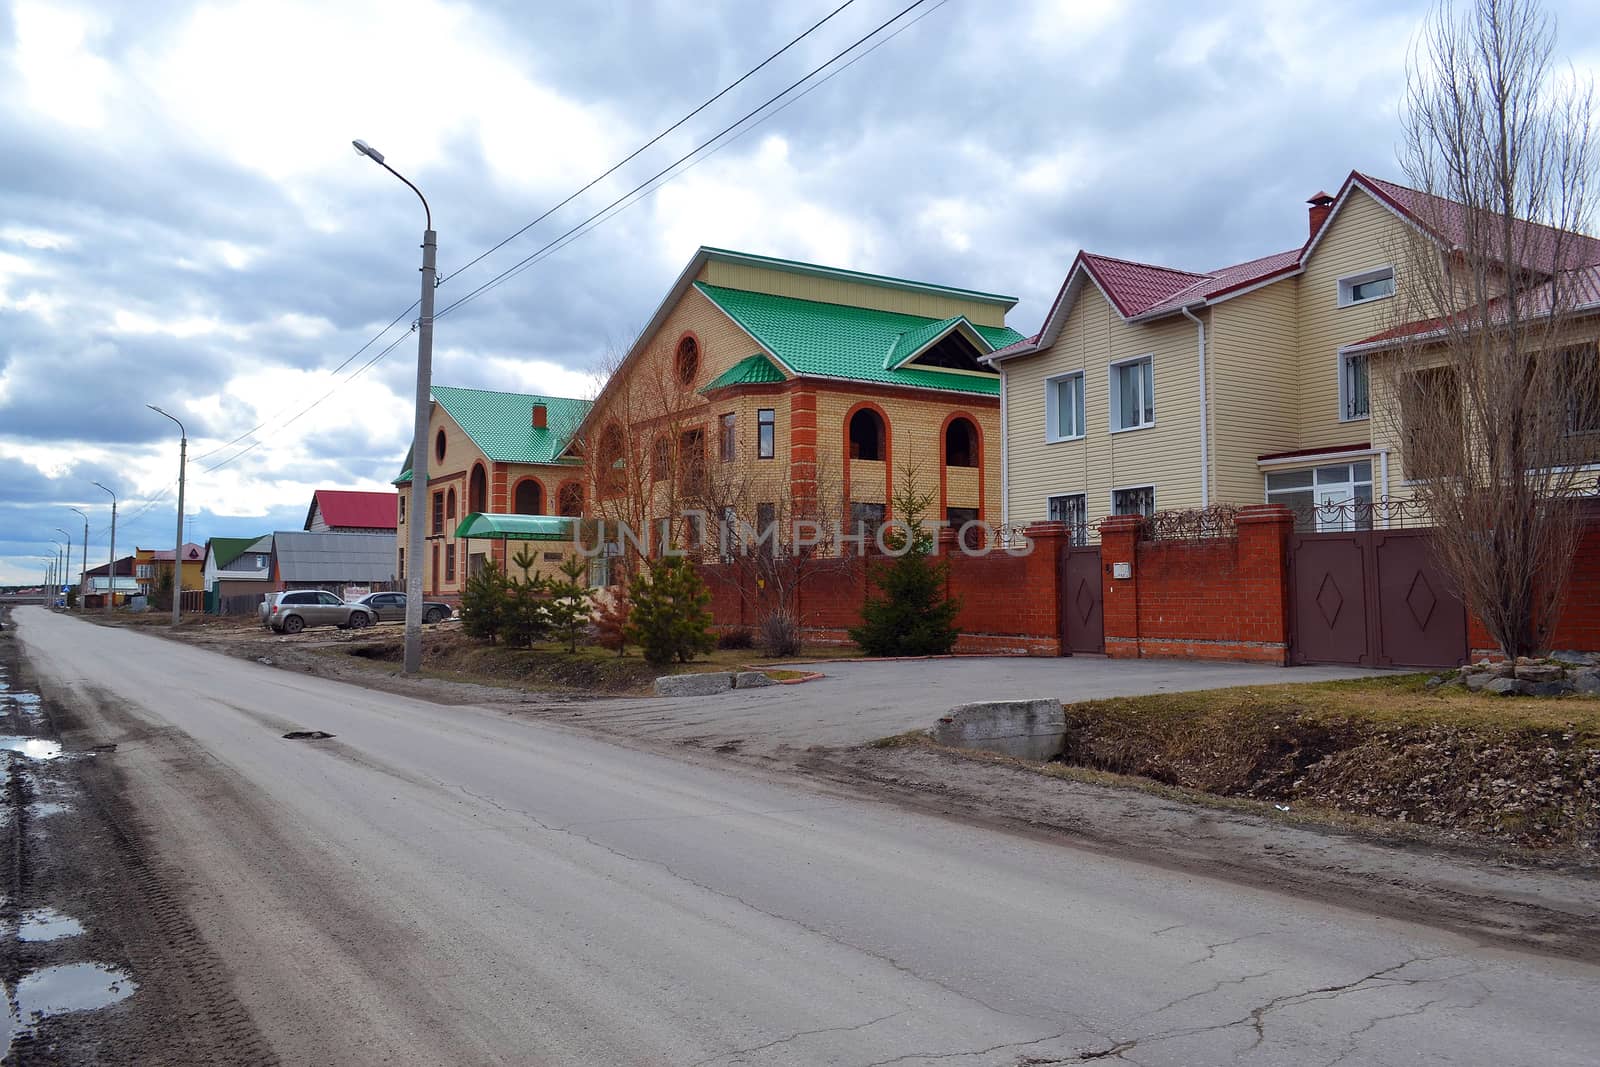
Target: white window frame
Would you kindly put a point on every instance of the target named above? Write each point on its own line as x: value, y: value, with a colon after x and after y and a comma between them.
x: 1111, y: 500
x: 1348, y: 283
x: 1114, y: 391
x: 1052, y: 408
x: 1079, y: 533
x: 1344, y: 382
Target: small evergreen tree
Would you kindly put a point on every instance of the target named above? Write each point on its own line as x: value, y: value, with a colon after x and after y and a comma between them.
x: 568, y: 607
x: 483, y: 603
x: 612, y: 608
x: 910, y: 615
x: 526, y: 618
x: 670, y: 618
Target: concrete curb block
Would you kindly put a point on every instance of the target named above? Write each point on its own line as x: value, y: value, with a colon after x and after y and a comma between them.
x: 1026, y: 729
x: 694, y: 685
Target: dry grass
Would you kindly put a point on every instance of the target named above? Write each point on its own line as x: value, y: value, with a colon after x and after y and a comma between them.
x: 1518, y: 768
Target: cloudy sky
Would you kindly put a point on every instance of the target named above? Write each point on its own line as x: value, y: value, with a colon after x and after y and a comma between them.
x: 183, y: 222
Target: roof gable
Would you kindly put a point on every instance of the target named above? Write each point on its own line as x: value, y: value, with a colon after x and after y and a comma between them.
x: 353, y: 508
x: 815, y: 339
x: 752, y: 370
x: 501, y: 424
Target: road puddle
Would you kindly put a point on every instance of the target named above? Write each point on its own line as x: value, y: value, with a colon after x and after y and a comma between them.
x: 40, y: 809
x: 47, y: 924
x: 31, y: 747
x: 59, y: 990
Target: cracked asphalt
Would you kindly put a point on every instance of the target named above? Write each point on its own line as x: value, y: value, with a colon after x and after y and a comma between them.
x: 447, y: 884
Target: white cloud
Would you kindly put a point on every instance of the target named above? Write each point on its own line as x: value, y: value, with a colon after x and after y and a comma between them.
x: 757, y: 204
x: 62, y: 78
x: 40, y: 239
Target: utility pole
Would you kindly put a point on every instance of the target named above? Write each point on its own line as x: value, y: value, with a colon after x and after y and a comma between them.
x: 85, y: 554
x: 111, y: 594
x: 419, y: 428
x: 177, y: 550
x: 65, y: 570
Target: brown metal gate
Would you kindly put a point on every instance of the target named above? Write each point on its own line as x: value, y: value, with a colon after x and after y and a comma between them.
x: 1082, y: 623
x: 1372, y: 598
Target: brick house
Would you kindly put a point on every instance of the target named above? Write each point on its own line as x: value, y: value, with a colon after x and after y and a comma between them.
x: 1149, y: 387
x: 807, y: 386
x: 490, y: 453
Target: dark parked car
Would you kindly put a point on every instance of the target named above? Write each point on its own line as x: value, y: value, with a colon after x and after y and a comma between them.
x: 391, y: 607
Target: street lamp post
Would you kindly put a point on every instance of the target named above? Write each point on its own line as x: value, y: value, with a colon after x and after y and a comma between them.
x: 177, y: 551
x: 65, y: 570
x: 111, y: 567
x: 55, y: 574
x: 85, y: 554
x: 419, y: 429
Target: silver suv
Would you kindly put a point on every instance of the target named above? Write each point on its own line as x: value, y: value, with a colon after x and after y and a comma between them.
x: 292, y: 612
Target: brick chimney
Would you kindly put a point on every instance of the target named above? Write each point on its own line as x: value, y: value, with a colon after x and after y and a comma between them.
x: 1321, y: 204
x: 540, y: 418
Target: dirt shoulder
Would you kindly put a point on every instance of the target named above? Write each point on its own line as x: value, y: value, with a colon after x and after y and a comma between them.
x: 100, y: 959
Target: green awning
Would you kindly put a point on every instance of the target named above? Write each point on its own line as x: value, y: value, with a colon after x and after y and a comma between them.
x: 516, y: 527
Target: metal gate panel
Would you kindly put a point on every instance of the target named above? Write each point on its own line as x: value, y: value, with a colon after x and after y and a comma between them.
x: 1328, y: 580
x: 1372, y: 598
x: 1082, y: 616
x: 1421, y: 622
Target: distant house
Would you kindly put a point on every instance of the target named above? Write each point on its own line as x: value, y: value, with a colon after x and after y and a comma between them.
x: 352, y: 511
x: 151, y: 564
x: 349, y: 564
x: 97, y: 580
x: 236, y: 567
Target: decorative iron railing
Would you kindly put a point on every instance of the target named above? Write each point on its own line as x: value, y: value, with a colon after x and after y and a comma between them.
x: 1191, y: 524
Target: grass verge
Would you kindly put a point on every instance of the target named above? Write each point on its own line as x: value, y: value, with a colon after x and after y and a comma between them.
x: 1521, y: 769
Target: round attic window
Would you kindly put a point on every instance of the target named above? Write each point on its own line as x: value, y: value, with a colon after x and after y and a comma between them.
x: 688, y: 360
x: 438, y: 446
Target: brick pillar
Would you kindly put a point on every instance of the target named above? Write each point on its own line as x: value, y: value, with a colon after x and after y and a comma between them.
x: 1264, y: 576
x: 1119, y: 543
x: 498, y: 502
x: 803, y: 452
x: 1042, y: 614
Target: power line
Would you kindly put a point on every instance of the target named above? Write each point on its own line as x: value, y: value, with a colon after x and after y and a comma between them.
x: 648, y: 144
x: 336, y: 370
x: 652, y: 183
x: 550, y: 246
x: 617, y: 207
x: 310, y: 407
x: 518, y: 233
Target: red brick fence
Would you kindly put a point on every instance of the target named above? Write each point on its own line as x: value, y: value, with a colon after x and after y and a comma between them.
x: 1226, y: 598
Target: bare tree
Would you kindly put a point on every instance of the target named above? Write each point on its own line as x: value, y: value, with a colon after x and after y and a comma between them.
x: 769, y: 540
x: 1492, y: 377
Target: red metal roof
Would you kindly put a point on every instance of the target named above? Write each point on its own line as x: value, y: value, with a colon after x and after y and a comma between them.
x: 1325, y: 450
x: 1135, y: 287
x: 349, y: 507
x: 1537, y: 247
x: 1582, y: 294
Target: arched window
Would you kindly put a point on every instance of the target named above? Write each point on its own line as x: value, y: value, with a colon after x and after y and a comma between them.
x: 529, y: 498
x: 867, y: 435
x: 478, y: 490
x: 570, y: 499
x: 438, y: 446
x: 450, y: 504
x: 688, y: 360
x: 961, y: 443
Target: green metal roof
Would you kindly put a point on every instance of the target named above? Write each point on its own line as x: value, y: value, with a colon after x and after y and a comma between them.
x: 227, y: 549
x: 516, y: 527
x: 838, y: 341
x: 501, y: 424
x: 752, y: 370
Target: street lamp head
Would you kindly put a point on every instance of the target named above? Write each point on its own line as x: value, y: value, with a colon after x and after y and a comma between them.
x: 364, y: 149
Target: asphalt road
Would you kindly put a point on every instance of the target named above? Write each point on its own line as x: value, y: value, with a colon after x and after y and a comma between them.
x: 448, y: 885
x: 859, y: 701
